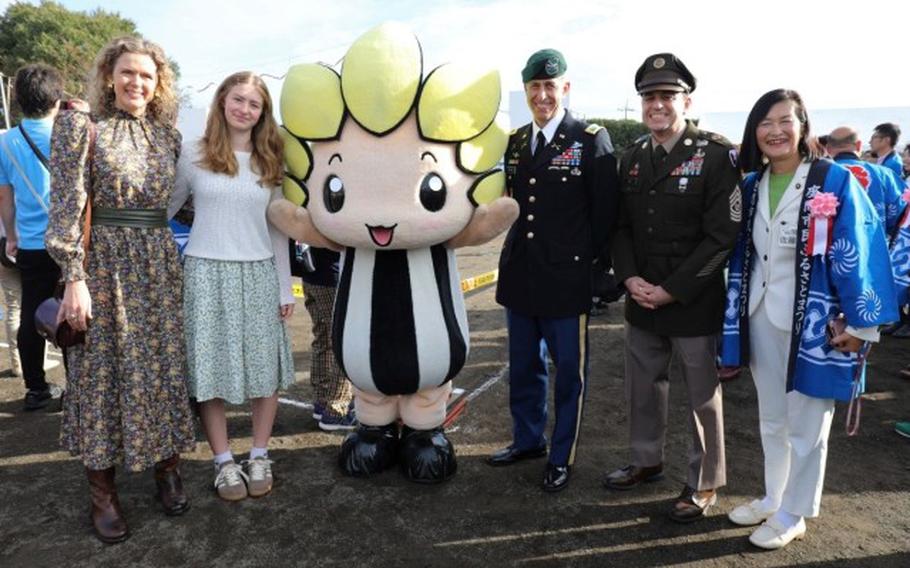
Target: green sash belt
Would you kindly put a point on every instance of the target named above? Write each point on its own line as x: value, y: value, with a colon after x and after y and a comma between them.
x: 138, y: 218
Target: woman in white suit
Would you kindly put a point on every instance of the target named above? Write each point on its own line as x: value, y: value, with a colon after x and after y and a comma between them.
x: 809, y: 213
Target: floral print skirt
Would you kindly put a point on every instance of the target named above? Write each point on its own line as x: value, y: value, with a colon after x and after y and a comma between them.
x: 237, y: 346
x: 126, y: 397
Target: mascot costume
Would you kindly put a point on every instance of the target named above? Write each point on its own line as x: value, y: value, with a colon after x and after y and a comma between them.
x: 396, y: 170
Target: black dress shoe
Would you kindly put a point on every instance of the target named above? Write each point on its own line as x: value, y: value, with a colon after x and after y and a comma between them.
x: 556, y: 478
x: 632, y: 476
x: 692, y: 505
x: 510, y: 455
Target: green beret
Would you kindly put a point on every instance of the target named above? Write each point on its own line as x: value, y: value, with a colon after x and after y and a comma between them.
x: 544, y: 64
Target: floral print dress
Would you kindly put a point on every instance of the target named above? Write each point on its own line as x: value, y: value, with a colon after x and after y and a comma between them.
x: 126, y: 400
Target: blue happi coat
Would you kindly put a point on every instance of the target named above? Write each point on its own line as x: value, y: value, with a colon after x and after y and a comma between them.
x: 853, y: 278
x: 885, y: 190
x: 882, y: 187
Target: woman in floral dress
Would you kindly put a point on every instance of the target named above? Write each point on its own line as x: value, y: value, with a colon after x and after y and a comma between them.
x: 126, y: 400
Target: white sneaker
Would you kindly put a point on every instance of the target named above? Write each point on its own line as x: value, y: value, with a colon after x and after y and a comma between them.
x: 750, y: 514
x: 230, y: 482
x: 259, y: 474
x: 772, y: 535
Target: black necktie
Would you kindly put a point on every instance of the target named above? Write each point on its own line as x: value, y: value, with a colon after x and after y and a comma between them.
x: 660, y: 153
x: 541, y: 142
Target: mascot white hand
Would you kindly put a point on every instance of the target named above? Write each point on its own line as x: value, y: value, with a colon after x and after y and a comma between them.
x: 397, y: 170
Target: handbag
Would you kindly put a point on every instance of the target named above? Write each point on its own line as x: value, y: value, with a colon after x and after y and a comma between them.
x: 62, y: 334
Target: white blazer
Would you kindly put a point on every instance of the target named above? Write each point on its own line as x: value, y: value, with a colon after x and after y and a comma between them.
x: 773, y: 278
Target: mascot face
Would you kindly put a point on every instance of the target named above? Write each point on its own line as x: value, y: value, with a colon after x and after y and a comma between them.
x: 384, y: 158
x: 391, y: 192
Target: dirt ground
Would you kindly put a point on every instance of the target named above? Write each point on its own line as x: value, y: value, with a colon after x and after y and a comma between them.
x: 484, y: 516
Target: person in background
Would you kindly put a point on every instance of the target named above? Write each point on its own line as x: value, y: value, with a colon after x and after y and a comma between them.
x: 882, y: 188
x: 237, y: 280
x: 126, y: 400
x: 331, y: 387
x: 905, y: 163
x: 12, y: 290
x: 25, y: 187
x: 801, y: 359
x: 882, y: 143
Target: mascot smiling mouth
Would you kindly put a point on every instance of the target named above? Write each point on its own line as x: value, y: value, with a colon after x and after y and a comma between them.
x: 381, y: 235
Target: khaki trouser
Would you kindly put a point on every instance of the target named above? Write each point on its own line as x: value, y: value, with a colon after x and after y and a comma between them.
x: 647, y: 390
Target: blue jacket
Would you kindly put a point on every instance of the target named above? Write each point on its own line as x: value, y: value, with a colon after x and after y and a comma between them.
x: 854, y: 278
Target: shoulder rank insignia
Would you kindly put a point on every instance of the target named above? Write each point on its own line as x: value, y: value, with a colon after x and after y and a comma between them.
x: 716, y: 138
x: 593, y: 128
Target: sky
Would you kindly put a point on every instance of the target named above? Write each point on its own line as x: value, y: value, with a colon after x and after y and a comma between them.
x: 838, y: 54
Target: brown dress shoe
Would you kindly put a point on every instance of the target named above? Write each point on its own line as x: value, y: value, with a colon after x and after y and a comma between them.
x: 692, y: 505
x: 632, y: 476
x: 170, y: 486
x: 106, y: 515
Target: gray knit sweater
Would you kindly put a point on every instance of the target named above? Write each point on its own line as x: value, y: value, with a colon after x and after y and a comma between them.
x: 230, y: 216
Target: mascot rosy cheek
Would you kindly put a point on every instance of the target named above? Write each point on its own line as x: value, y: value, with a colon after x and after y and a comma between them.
x: 397, y: 171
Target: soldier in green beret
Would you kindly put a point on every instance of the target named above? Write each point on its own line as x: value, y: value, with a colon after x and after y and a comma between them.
x: 679, y: 216
x: 563, y: 175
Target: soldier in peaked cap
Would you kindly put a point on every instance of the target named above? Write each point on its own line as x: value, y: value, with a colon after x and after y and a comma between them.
x: 679, y: 215
x: 563, y: 175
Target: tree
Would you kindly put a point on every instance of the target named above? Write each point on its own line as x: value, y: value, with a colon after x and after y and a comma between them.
x: 49, y: 33
x: 622, y: 132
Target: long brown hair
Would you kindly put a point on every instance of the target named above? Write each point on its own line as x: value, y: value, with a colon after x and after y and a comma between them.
x: 216, y: 153
x: 163, y: 106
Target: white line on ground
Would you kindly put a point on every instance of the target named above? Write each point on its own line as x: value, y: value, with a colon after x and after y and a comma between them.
x: 488, y: 384
x: 297, y: 403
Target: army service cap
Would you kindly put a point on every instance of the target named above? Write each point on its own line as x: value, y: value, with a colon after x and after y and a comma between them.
x: 664, y: 72
x: 544, y: 64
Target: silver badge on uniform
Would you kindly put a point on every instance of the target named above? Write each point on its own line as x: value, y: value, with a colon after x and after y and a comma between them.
x: 575, y: 172
x: 552, y: 67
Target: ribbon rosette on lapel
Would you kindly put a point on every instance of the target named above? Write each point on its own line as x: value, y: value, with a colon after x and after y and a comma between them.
x: 822, y: 209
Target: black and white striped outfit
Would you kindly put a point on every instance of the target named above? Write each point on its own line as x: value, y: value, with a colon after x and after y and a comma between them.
x: 400, y: 324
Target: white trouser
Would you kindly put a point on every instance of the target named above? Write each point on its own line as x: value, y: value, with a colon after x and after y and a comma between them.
x: 794, y: 427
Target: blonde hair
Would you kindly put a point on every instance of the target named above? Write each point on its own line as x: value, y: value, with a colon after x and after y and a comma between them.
x: 216, y: 153
x: 162, y: 108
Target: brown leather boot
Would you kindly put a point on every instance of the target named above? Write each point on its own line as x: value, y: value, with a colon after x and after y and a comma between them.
x: 170, y: 486
x: 107, y: 517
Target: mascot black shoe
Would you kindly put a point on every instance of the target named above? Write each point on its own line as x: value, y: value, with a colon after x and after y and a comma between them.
x: 369, y: 450
x: 426, y: 456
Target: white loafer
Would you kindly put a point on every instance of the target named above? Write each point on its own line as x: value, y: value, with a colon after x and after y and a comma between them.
x: 771, y: 535
x: 750, y: 514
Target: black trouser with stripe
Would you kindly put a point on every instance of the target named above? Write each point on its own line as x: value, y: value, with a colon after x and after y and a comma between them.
x: 40, y: 275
